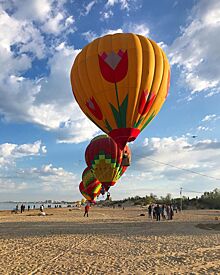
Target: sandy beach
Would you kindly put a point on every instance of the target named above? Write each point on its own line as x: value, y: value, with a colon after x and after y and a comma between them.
x: 109, y: 241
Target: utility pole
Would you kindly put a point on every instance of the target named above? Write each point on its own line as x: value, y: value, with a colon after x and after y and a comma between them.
x: 181, y: 199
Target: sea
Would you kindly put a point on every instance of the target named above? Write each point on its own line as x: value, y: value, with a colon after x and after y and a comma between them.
x: 12, y: 205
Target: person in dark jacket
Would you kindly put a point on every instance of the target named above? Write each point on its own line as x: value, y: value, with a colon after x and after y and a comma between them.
x: 150, y: 211
x: 158, y: 212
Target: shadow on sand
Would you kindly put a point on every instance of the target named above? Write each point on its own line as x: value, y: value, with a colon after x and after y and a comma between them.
x: 28, y: 229
x: 209, y: 226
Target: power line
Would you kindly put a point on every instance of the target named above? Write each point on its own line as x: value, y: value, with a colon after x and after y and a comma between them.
x: 192, y: 191
x: 183, y: 169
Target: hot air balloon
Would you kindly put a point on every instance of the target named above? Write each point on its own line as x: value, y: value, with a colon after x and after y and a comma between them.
x: 105, y: 158
x: 83, y: 192
x: 89, y: 187
x: 120, y: 82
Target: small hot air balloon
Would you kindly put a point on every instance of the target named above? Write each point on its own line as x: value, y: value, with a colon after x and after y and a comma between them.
x: 82, y: 191
x: 105, y: 159
x: 120, y: 82
x: 89, y: 187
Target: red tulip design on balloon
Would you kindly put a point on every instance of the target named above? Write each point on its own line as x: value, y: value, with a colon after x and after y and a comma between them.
x: 94, y: 108
x: 146, y: 101
x: 114, y: 66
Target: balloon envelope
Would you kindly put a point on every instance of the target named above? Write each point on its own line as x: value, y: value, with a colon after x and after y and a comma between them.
x: 89, y: 187
x: 120, y: 82
x: 83, y: 191
x: 104, y: 157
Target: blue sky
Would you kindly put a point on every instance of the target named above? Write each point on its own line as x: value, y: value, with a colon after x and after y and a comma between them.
x: 43, y: 133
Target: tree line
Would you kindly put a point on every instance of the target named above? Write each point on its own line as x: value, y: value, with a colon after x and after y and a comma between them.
x: 208, y: 200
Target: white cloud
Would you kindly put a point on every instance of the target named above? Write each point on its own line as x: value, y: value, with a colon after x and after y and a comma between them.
x: 196, y: 50
x: 40, y: 183
x: 77, y: 130
x: 90, y: 35
x: 209, y: 118
x: 49, y: 16
x: 203, y: 128
x: 44, y: 149
x: 53, y: 25
x: 88, y: 8
x: 52, y: 176
x: 16, y: 97
x: 10, y: 152
x: 58, y: 23
x: 21, y: 34
x: 105, y: 32
x: 124, y: 4
x: 68, y: 121
x: 20, y: 43
x: 155, y: 166
x: 69, y: 21
x: 39, y: 101
x: 106, y: 15
x: 141, y: 29
x: 162, y: 45
x: 37, y: 10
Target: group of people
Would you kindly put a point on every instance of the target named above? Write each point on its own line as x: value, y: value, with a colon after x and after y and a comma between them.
x: 23, y: 207
x: 158, y: 212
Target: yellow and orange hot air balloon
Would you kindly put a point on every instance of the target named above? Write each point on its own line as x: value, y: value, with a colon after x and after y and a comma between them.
x: 120, y: 82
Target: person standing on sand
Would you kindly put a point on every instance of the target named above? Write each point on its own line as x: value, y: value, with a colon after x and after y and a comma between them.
x: 157, y: 211
x: 154, y: 212
x: 168, y: 212
x: 87, y: 210
x: 171, y: 212
x: 150, y: 211
x: 163, y: 212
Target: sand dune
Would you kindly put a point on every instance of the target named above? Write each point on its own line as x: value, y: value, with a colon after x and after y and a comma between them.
x: 110, y: 241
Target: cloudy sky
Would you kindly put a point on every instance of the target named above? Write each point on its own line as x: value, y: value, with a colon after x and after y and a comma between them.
x: 43, y: 133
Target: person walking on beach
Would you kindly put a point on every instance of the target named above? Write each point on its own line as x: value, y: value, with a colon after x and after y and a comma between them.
x: 87, y: 210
